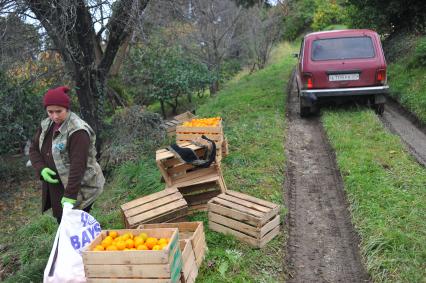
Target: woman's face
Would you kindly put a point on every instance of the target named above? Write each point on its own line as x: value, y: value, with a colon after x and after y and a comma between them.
x: 57, y: 114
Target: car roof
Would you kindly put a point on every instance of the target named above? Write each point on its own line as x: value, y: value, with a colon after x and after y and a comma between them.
x: 339, y: 33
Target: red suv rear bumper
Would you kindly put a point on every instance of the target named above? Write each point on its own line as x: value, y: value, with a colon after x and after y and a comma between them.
x: 335, y: 92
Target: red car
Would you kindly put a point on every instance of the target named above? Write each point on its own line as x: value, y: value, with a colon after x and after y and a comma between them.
x: 340, y: 65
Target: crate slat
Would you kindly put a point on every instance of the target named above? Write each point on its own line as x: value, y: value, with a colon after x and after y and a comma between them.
x: 162, y: 206
x: 189, y: 265
x: 229, y: 222
x: 127, y: 280
x: 238, y: 207
x: 222, y: 210
x: 253, y: 199
x: 154, y: 213
x: 245, y: 203
x: 269, y: 226
x: 200, y: 249
x: 148, y: 198
x: 156, y: 203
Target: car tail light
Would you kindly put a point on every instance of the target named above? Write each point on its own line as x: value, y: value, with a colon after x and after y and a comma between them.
x: 381, y: 76
x: 307, y: 80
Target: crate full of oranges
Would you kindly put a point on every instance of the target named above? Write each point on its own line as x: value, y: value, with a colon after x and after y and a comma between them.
x: 195, y: 128
x: 134, y: 253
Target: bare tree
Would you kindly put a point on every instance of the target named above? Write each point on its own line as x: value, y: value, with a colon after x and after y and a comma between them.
x: 19, y: 41
x: 216, y: 22
x: 88, y: 55
x: 264, y: 29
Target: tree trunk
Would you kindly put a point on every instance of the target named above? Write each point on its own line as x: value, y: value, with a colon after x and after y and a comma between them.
x: 163, y: 110
x: 214, y: 87
x: 91, y: 89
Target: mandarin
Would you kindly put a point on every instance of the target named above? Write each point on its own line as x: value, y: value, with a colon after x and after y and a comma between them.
x: 151, y: 242
x: 113, y: 234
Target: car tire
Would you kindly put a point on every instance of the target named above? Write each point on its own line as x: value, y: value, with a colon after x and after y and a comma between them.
x: 305, y: 111
x: 379, y: 108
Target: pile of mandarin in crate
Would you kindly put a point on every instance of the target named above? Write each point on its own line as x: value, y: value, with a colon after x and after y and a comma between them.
x: 131, y: 242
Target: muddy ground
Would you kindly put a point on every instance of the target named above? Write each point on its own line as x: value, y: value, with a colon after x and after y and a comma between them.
x: 408, y: 128
x: 322, y: 244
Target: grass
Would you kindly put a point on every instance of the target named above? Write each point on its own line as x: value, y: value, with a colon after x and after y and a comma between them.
x: 252, y: 107
x: 408, y: 85
x: 386, y: 190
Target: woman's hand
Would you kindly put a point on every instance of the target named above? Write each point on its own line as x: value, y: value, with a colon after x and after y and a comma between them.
x: 47, y: 174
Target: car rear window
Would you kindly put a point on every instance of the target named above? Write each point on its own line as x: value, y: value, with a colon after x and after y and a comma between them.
x: 342, y: 48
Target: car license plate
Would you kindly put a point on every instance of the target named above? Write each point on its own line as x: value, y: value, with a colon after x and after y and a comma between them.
x: 343, y: 77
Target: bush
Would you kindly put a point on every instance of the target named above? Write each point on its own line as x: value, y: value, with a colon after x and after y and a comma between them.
x: 328, y: 14
x: 133, y: 132
x: 299, y: 18
x: 419, y: 58
x: 20, y: 108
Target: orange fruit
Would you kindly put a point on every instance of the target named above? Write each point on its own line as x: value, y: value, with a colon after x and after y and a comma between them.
x: 113, y: 234
x: 151, y: 242
x: 163, y: 241
x: 142, y: 248
x: 121, y: 245
x: 138, y: 241
x: 156, y: 248
x: 98, y: 248
x: 130, y: 243
x: 144, y: 236
x: 111, y: 248
x: 163, y: 246
x: 106, y: 242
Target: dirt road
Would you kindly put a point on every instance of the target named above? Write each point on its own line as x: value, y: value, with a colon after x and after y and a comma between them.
x: 322, y: 244
x: 403, y: 124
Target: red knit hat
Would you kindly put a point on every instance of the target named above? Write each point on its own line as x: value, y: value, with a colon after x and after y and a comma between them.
x: 57, y: 96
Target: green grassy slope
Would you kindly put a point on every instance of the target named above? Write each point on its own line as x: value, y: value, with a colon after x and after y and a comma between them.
x: 408, y: 82
x: 386, y: 190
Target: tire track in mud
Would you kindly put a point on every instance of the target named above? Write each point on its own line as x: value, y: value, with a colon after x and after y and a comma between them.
x: 402, y: 123
x: 322, y: 245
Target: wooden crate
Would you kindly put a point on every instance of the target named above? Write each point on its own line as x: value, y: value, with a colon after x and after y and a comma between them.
x: 184, y: 133
x: 192, y: 231
x: 197, y: 185
x: 250, y: 219
x: 189, y: 266
x: 171, y: 126
x: 135, y: 266
x: 225, y: 147
x: 164, y: 206
x: 177, y: 120
x: 186, y: 116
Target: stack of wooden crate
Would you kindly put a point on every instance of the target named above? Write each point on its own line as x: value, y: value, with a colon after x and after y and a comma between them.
x: 192, y: 243
x: 165, y: 206
x: 135, y: 265
x: 215, y: 133
x: 197, y: 185
x: 250, y: 219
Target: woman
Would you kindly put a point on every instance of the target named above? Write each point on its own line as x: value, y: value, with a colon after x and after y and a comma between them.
x: 64, y: 156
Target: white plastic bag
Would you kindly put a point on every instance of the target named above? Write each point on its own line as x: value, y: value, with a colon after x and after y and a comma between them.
x: 76, y: 231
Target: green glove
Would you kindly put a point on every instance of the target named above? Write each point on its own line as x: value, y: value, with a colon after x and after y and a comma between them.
x: 68, y: 200
x: 46, y: 173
